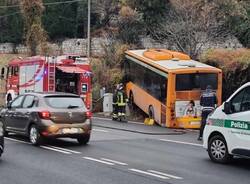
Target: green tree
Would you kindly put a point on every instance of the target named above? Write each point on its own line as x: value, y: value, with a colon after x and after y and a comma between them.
x: 60, y: 20
x: 153, y: 11
x: 11, y: 22
x: 240, y: 25
x: 129, y: 26
x: 82, y: 19
x: 34, y: 33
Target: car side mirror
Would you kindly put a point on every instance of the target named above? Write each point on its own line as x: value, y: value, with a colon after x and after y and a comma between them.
x: 227, y: 108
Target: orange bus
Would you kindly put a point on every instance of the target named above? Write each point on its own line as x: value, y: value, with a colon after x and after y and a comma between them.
x: 167, y: 85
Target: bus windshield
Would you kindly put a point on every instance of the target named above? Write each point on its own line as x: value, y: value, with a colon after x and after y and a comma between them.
x: 187, y: 82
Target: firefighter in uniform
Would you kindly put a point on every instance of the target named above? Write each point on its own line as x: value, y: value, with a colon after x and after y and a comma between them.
x: 121, y: 101
x: 115, y: 107
x: 208, y: 102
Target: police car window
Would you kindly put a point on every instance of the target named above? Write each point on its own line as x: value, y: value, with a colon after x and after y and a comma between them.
x: 236, y: 102
x: 245, y: 105
x: 29, y: 101
x: 17, y: 102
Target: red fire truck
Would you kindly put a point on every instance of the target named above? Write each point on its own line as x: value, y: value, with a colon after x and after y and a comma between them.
x: 70, y: 74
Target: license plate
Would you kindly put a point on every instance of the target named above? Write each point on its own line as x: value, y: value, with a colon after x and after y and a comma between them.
x: 71, y: 130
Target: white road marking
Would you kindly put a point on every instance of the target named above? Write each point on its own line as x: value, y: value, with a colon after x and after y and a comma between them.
x: 16, y: 140
x: 180, y: 142
x: 57, y: 150
x: 100, y: 130
x: 165, y: 174
x: 100, y: 161
x: 148, y: 173
x: 68, y: 150
x: 114, y: 161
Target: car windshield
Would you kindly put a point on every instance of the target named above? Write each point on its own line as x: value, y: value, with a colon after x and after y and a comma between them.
x: 64, y: 102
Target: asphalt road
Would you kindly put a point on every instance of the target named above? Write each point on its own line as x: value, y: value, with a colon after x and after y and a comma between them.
x: 137, y: 154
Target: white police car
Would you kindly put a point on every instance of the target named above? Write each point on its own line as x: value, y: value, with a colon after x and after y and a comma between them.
x: 227, y: 132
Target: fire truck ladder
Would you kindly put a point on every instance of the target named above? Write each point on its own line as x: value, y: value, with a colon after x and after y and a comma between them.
x: 51, y: 74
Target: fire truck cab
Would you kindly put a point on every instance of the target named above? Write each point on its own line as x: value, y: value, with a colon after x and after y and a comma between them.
x: 71, y: 74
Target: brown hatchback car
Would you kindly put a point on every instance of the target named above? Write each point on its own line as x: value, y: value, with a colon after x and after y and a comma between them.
x: 51, y: 115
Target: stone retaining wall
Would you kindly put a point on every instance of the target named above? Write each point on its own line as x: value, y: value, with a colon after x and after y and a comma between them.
x: 79, y: 46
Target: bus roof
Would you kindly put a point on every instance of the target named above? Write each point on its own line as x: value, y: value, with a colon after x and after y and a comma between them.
x: 167, y: 61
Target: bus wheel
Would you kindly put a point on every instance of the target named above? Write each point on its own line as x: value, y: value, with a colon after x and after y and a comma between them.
x: 151, y: 112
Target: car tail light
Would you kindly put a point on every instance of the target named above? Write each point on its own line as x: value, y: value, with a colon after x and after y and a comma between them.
x: 89, y: 114
x: 45, y: 133
x: 44, y: 114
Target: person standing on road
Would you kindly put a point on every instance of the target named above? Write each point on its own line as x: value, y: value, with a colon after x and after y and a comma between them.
x: 121, y: 100
x: 115, y: 107
x: 208, y: 102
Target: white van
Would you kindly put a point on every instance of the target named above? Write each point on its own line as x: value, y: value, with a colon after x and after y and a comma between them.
x: 227, y: 132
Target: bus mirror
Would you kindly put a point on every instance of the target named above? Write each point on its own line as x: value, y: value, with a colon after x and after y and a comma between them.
x: 227, y: 108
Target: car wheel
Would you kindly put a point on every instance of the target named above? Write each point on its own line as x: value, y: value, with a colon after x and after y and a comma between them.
x: 217, y: 150
x: 34, y: 135
x: 83, y: 140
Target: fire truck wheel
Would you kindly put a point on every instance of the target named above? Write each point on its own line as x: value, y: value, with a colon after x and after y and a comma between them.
x: 34, y: 136
x: 83, y: 140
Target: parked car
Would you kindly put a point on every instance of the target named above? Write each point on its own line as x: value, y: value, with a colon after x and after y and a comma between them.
x: 1, y: 139
x: 227, y: 132
x: 47, y: 115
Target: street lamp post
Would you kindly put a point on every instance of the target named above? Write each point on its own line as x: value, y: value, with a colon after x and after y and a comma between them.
x: 89, y: 40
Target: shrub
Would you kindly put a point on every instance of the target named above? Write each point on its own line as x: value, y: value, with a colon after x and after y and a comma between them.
x: 235, y: 65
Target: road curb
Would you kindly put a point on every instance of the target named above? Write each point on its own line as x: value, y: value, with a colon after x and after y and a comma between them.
x: 174, y: 132
x: 108, y: 119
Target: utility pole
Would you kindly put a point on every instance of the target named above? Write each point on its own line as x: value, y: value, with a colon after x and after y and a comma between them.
x: 89, y: 40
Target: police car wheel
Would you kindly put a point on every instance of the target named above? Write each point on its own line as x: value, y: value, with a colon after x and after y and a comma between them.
x: 217, y: 149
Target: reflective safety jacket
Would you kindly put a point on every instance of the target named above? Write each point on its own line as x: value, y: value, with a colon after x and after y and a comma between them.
x: 208, y: 100
x: 121, y: 98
